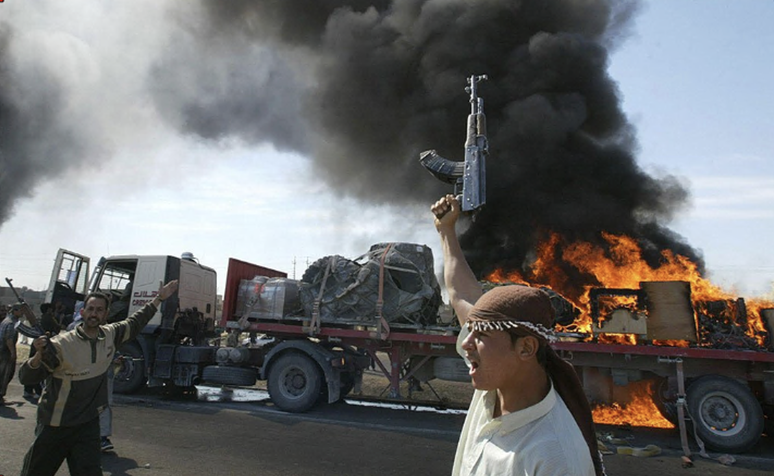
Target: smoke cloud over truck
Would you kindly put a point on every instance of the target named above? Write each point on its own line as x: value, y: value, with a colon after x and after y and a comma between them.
x: 361, y: 88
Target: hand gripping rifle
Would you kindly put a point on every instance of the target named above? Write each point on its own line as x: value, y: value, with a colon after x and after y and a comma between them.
x: 50, y: 359
x: 34, y: 330
x: 468, y: 177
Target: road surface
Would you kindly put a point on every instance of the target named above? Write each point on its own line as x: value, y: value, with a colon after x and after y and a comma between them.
x: 157, y: 436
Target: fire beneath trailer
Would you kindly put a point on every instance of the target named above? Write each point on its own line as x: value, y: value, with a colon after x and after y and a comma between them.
x: 640, y: 410
x: 612, y: 291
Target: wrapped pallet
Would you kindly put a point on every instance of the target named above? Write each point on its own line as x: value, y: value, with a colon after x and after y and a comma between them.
x: 347, y: 291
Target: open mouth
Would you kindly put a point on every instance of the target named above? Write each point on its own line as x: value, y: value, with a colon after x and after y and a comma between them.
x: 473, y: 367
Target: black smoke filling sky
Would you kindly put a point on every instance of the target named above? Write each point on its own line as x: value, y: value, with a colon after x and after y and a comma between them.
x: 362, y: 87
x: 375, y: 83
x: 37, y: 141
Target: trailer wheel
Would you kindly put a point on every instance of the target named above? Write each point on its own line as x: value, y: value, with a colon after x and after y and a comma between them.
x: 725, y: 414
x: 129, y: 368
x: 294, y: 382
x: 223, y: 375
x: 665, y: 399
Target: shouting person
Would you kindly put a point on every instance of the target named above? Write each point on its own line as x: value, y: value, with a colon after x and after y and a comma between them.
x: 528, y: 415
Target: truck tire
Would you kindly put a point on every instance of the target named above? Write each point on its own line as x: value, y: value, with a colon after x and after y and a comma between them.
x: 130, y: 368
x: 294, y: 382
x: 223, y: 375
x: 725, y: 414
x: 665, y: 399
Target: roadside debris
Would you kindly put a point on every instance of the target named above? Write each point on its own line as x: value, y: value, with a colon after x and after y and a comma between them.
x: 609, y: 444
x: 645, y: 451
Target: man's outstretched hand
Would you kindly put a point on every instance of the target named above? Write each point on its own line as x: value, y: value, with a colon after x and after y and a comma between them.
x: 168, y: 289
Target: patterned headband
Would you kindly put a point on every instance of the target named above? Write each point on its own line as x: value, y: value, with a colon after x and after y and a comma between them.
x: 502, y: 325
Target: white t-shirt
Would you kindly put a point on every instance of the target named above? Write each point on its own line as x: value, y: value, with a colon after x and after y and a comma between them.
x: 541, y: 440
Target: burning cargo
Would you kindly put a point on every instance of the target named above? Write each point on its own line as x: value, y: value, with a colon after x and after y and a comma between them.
x: 664, y: 313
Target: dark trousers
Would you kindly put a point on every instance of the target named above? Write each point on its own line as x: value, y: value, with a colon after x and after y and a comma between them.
x: 7, y: 369
x: 37, y: 388
x: 79, y: 445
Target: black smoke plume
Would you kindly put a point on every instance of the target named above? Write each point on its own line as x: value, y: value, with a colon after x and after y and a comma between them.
x: 37, y: 139
x: 378, y: 82
x: 362, y: 87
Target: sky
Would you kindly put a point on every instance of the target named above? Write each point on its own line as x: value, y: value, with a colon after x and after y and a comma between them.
x: 694, y: 78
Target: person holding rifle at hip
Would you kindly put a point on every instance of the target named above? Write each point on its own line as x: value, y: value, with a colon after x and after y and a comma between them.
x: 8, y: 337
x: 75, y: 365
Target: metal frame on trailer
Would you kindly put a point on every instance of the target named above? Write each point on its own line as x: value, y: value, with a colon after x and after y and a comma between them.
x: 399, y: 346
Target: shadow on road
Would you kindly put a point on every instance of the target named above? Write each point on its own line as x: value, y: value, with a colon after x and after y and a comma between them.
x: 9, y: 412
x: 115, y: 465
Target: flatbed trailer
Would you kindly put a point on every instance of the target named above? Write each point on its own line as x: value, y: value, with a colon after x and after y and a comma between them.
x: 400, y: 346
x: 728, y: 394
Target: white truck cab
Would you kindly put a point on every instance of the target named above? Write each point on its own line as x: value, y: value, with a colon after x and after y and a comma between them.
x: 133, y: 281
x: 185, y: 319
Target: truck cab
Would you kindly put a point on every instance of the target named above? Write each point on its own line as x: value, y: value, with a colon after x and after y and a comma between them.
x: 130, y: 282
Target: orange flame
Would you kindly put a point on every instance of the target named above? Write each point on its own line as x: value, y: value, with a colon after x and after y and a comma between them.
x: 672, y: 343
x: 639, y: 411
x: 626, y: 339
x: 620, y: 265
x: 558, y: 264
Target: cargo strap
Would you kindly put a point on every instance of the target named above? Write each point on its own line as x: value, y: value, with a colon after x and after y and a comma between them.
x: 682, y: 415
x: 244, y: 321
x: 314, y: 327
x: 383, y: 329
x: 681, y: 409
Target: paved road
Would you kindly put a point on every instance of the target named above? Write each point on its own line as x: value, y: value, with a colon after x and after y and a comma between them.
x: 178, y: 437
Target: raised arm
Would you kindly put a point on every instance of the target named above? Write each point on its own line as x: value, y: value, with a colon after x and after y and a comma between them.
x: 461, y: 284
x: 129, y: 328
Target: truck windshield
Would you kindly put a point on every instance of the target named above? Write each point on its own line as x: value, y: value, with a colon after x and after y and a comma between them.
x: 115, y: 276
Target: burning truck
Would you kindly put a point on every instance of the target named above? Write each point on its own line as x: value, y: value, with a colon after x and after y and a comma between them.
x: 660, y: 346
x: 697, y: 361
x: 700, y: 355
x: 710, y: 362
x: 633, y: 308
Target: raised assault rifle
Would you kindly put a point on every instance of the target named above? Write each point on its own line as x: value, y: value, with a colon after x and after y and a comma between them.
x: 50, y: 359
x: 34, y: 330
x: 468, y: 177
